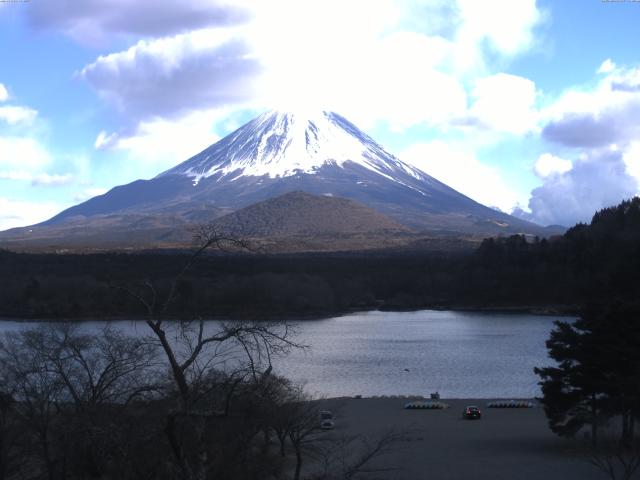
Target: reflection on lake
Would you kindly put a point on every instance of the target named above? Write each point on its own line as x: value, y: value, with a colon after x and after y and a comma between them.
x: 459, y: 354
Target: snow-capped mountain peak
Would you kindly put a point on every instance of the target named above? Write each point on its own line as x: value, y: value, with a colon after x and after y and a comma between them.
x: 279, y: 144
x: 275, y: 154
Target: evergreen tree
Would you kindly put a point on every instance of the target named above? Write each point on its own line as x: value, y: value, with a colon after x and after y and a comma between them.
x: 597, y: 374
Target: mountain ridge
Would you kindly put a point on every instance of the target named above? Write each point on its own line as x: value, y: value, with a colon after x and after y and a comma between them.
x: 277, y: 153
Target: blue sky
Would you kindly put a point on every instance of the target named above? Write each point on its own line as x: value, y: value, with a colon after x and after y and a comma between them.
x: 525, y: 105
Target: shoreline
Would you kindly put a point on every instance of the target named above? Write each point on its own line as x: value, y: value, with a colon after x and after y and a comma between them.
x: 422, y: 397
x: 545, y: 310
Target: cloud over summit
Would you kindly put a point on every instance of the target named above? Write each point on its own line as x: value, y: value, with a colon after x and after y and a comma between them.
x: 171, y: 76
x: 93, y: 21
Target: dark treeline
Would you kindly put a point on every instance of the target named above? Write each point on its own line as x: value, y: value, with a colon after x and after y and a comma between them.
x: 600, y: 261
x: 595, y: 263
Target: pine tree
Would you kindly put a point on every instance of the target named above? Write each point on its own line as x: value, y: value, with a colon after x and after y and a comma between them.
x: 597, y: 375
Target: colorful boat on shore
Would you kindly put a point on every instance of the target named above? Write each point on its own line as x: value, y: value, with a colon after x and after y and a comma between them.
x: 511, y: 404
x: 422, y: 405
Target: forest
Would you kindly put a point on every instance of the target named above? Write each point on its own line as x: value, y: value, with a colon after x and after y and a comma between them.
x: 592, y: 262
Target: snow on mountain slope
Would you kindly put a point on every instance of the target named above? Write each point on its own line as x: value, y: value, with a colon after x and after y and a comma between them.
x: 278, y: 153
x: 279, y: 144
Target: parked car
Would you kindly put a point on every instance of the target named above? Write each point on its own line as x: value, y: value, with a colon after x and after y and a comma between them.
x: 471, y: 413
x: 326, y: 420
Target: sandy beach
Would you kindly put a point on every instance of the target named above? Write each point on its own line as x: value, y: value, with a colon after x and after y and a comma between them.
x: 505, y: 444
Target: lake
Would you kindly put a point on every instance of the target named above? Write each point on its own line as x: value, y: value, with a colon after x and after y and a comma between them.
x: 459, y: 354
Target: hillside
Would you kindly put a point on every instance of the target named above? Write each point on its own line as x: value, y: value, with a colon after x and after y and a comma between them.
x: 303, y: 214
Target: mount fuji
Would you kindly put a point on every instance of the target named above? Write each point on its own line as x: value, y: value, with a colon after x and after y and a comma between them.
x: 275, y: 154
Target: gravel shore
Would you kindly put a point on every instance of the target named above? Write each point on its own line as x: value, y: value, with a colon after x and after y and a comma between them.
x: 507, y: 443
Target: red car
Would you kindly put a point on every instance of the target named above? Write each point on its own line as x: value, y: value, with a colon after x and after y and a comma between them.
x: 471, y: 413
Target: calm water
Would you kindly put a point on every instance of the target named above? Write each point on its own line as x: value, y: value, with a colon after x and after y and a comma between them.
x: 459, y: 354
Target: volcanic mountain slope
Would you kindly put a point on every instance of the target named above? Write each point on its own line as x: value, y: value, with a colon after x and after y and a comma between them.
x: 299, y: 221
x: 277, y: 153
x: 303, y: 214
x: 117, y: 231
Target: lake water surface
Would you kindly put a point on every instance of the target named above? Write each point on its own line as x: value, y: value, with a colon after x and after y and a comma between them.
x: 459, y: 354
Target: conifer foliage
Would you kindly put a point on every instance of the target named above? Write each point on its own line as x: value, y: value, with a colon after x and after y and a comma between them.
x: 597, y: 376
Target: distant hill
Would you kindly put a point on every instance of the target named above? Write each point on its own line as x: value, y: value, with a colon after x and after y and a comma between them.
x: 303, y: 214
x: 300, y: 221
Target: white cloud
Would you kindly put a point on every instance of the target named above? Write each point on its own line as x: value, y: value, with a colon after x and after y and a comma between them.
x: 392, y: 78
x: 38, y: 179
x: 507, y: 27
x: 390, y: 67
x: 22, y: 153
x: 164, y: 143
x: 19, y: 213
x: 606, y: 67
x: 25, y: 159
x: 175, y: 75
x: 462, y: 171
x: 631, y: 158
x: 548, y: 164
x: 105, y: 140
x: 15, y: 175
x: 88, y: 193
x: 14, y: 115
x: 400, y: 62
x: 97, y: 21
x: 505, y: 103
x: 599, y: 125
x: 52, y: 180
x: 598, y: 116
x: 597, y: 181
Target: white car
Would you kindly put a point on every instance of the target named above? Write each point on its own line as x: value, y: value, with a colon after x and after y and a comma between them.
x: 326, y: 420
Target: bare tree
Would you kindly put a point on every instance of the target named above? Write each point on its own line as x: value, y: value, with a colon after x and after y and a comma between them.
x: 189, y: 347
x: 68, y: 386
x: 283, y: 404
x: 10, y: 435
x: 616, y: 458
x: 205, y: 237
x: 331, y: 457
x: 303, y: 418
x: 349, y: 457
x: 37, y: 393
x: 104, y: 368
x: 193, y: 348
